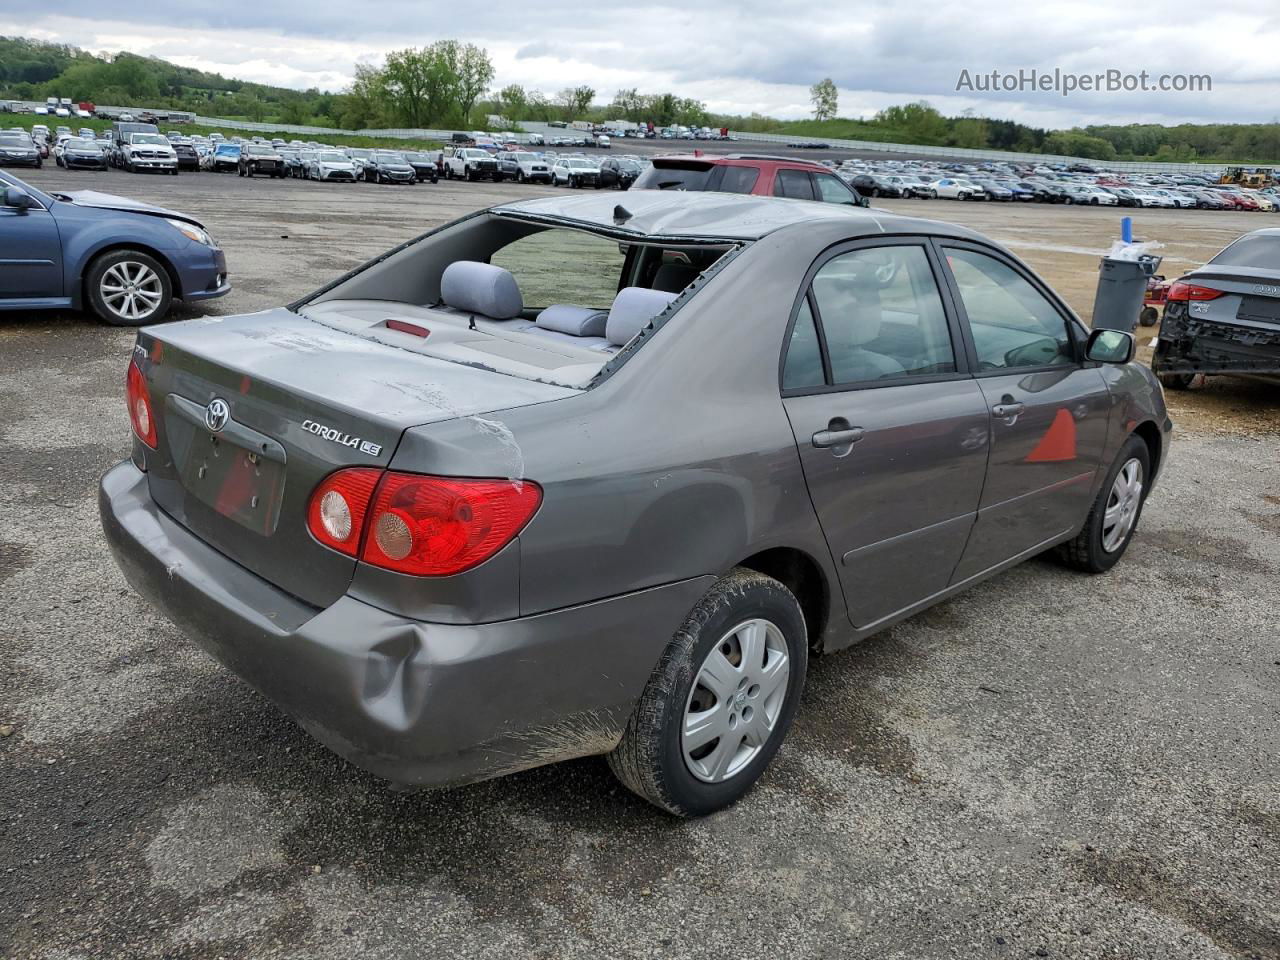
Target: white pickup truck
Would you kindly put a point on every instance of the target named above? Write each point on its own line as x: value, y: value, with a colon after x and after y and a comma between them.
x: 470, y: 163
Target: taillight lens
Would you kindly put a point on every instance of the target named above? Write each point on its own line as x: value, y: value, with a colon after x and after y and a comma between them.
x: 438, y: 526
x: 335, y: 515
x: 1191, y: 291
x: 141, y: 417
x: 416, y: 524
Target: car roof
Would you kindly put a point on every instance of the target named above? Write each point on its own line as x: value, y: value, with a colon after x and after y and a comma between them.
x: 707, y: 215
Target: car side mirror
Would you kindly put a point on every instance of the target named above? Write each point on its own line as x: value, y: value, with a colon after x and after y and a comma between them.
x: 13, y: 197
x: 1110, y: 346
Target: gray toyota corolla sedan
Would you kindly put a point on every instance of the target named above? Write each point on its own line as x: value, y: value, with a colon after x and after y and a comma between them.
x: 566, y: 478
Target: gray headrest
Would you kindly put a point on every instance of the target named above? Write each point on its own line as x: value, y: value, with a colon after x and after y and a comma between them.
x: 575, y: 321
x: 673, y: 277
x: 632, y: 310
x: 481, y: 288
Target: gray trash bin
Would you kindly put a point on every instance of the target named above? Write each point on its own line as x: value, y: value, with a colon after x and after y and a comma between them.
x: 1122, y: 284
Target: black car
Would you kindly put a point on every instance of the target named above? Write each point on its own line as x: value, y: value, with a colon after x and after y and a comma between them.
x: 618, y: 173
x: 82, y: 154
x: 293, y: 163
x: 18, y: 150
x: 258, y: 158
x: 188, y: 158
x: 869, y: 185
x: 384, y: 166
x: 424, y: 166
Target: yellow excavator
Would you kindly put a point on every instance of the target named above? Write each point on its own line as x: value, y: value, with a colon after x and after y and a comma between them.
x: 1254, y: 179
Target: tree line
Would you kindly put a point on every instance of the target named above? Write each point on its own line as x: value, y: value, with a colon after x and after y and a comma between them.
x: 449, y: 85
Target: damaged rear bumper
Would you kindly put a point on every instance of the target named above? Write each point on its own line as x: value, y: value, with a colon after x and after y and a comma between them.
x: 1190, y: 345
x: 419, y: 704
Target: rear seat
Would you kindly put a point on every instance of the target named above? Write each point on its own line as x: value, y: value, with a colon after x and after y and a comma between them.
x: 483, y: 290
x: 590, y: 329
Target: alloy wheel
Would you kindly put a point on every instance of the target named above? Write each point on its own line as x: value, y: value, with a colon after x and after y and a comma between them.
x: 1122, y: 505
x: 737, y: 697
x: 131, y: 290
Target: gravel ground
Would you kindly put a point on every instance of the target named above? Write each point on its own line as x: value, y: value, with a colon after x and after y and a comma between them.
x: 1049, y: 765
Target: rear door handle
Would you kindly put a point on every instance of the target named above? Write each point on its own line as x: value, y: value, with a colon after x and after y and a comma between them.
x: 1007, y: 409
x: 837, y: 438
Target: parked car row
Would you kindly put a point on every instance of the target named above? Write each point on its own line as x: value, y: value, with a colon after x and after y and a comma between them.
x: 999, y: 181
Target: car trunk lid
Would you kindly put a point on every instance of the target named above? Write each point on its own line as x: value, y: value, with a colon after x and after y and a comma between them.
x: 254, y: 411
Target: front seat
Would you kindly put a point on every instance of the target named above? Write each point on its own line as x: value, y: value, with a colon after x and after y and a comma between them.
x: 851, y: 317
x: 673, y: 277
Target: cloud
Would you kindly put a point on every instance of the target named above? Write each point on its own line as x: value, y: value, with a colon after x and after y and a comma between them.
x: 740, y: 57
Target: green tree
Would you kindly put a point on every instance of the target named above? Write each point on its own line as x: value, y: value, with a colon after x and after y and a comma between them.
x: 512, y: 102
x: 825, y: 98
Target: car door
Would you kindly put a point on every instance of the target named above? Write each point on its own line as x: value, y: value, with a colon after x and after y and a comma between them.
x: 891, y: 430
x: 30, y: 252
x: 1050, y: 410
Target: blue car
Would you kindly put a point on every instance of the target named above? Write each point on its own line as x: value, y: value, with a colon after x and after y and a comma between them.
x: 124, y: 260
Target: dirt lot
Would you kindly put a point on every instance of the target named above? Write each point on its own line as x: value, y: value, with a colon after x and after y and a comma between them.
x: 1048, y: 765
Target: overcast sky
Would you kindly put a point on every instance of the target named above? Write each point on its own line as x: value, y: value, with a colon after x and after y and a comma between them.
x: 739, y: 56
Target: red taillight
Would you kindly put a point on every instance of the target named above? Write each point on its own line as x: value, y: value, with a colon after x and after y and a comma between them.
x: 141, y: 417
x: 1191, y: 291
x: 335, y: 515
x: 438, y: 526
x: 416, y: 524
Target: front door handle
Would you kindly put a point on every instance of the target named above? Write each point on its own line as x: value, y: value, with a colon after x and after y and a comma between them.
x: 837, y: 438
x: 1007, y: 409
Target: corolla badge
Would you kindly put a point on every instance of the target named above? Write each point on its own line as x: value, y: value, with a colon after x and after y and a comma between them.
x: 216, y: 415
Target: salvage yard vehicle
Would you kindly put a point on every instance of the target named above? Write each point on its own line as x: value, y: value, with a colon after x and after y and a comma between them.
x: 81, y: 154
x: 148, y: 151
x: 469, y: 163
x: 226, y: 158
x: 949, y: 188
x: 618, y: 173
x: 464, y: 511
x: 385, y: 166
x: 575, y: 172
x: 256, y: 158
x: 17, y: 149
x: 1224, y: 318
x: 424, y: 166
x: 331, y: 165
x: 749, y: 173
x: 124, y: 260
x: 523, y: 167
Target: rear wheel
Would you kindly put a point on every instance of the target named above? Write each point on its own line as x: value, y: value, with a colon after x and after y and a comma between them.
x: 721, y: 699
x: 1115, y: 513
x: 1149, y: 316
x: 1176, y: 381
x: 128, y: 288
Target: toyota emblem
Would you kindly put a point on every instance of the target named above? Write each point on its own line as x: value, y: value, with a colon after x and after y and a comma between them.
x: 216, y: 415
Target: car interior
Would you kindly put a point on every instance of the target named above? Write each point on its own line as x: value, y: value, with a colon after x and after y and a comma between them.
x: 525, y: 299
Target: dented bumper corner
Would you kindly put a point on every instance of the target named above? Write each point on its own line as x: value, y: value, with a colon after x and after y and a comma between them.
x: 419, y: 704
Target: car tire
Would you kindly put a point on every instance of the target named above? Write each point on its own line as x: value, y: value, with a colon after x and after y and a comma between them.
x: 1148, y: 316
x: 743, y: 608
x: 1176, y: 381
x: 519, y: 176
x: 125, y: 262
x: 1115, y: 513
x: 933, y: 194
